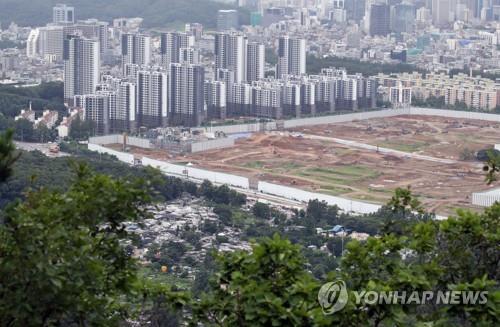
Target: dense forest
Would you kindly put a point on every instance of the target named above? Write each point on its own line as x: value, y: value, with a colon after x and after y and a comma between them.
x: 156, y: 13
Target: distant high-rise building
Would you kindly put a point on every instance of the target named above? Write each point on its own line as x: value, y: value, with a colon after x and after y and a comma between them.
x: 304, y: 18
x: 32, y: 43
x: 63, y: 14
x: 50, y: 42
x: 291, y: 57
x: 216, y: 99
x: 380, y: 19
x: 136, y: 49
x: 122, y: 116
x: 230, y: 53
x: 189, y: 56
x: 400, y: 96
x: 355, y: 9
x: 423, y: 15
x: 339, y: 13
x: 81, y: 66
x: 90, y: 29
x: 240, y: 100
x: 152, y: 99
x: 403, y: 18
x: 227, y: 20
x: 97, y: 107
x: 186, y: 94
x: 442, y: 12
x: 171, y: 44
x: 266, y: 100
x: 195, y: 29
x: 256, y: 54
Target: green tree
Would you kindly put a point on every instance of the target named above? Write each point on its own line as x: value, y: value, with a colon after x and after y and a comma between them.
x: 266, y: 287
x: 460, y: 253
x: 43, y: 134
x: 492, y: 166
x: 404, y: 202
x: 261, y: 210
x: 81, y: 129
x: 24, y: 130
x: 62, y: 258
x: 8, y: 155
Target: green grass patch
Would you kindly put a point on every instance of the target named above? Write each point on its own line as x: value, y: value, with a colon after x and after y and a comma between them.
x: 254, y: 164
x: 406, y: 147
x: 345, y: 175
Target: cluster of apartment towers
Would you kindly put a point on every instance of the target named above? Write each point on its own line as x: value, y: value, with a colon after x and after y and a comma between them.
x: 176, y: 92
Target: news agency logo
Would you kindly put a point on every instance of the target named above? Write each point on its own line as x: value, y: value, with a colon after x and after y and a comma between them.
x: 333, y: 297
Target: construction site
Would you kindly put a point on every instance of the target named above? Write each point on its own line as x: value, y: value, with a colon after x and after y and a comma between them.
x: 363, y: 159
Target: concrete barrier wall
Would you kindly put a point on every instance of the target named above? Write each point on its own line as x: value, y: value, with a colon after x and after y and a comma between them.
x: 454, y: 114
x: 165, y: 167
x: 304, y: 196
x: 124, y: 157
x: 118, y: 139
x: 212, y: 144
x: 196, y: 173
x: 344, y: 118
x: 243, y: 128
x: 106, y: 139
x: 137, y: 142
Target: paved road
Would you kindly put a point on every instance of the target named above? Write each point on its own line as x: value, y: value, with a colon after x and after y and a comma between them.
x: 364, y: 146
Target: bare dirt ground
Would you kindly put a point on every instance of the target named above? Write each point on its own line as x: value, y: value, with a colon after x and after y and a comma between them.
x: 328, y: 167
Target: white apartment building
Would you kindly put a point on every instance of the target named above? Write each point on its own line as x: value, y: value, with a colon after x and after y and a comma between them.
x: 231, y: 54
x: 475, y: 92
x: 186, y: 94
x: 152, y: 98
x: 291, y: 57
x: 81, y: 67
x: 256, y: 58
x: 171, y: 45
x: 63, y: 14
x: 135, y: 49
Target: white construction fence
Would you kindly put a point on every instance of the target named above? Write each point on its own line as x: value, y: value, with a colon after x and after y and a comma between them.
x: 118, y: 139
x: 486, y: 199
x: 344, y: 118
x: 454, y: 114
x: 196, y: 173
x: 296, y: 194
x: 243, y: 128
x: 122, y: 156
